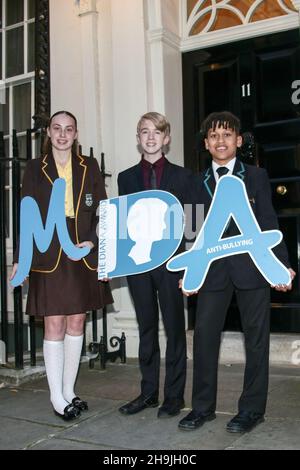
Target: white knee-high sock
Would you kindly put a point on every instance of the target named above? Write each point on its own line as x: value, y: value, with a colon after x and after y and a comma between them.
x: 54, y: 363
x: 72, y: 348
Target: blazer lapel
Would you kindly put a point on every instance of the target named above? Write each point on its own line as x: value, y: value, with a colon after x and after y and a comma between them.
x: 78, y: 180
x: 209, y: 182
x: 47, y: 176
x: 166, y: 175
x: 239, y: 170
x: 209, y: 179
x: 49, y: 169
x: 139, y: 181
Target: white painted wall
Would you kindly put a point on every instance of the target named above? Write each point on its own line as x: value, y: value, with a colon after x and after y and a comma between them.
x: 129, y: 77
x: 164, y: 68
x: 106, y: 92
x: 66, y: 61
x: 173, y: 100
x: 173, y: 76
x: 135, y: 72
x: 75, y: 67
x: 171, y: 15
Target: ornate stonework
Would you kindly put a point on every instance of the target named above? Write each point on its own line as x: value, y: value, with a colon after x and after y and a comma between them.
x: 42, y: 63
x: 86, y: 6
x: 296, y: 4
x: 205, y: 16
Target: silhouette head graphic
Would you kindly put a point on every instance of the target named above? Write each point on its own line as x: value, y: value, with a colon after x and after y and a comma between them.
x: 145, y: 225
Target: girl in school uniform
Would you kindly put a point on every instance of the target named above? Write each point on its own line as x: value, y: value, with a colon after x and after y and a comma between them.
x: 62, y: 290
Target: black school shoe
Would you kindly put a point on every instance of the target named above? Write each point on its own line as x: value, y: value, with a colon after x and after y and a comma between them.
x: 244, y: 421
x: 80, y: 404
x: 139, y: 404
x: 70, y: 412
x: 195, y: 419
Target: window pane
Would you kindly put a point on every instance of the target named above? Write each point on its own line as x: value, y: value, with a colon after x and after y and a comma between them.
x: 31, y: 47
x: 22, y: 107
x: 14, y: 11
x: 31, y: 9
x: 14, y: 52
x: 22, y: 146
x: 2, y: 155
x: 38, y: 142
x: 4, y: 112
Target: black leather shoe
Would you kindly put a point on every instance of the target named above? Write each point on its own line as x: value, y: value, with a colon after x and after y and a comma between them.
x: 80, y: 404
x: 244, y: 421
x: 139, y: 404
x: 70, y: 412
x: 195, y: 419
x: 170, y: 407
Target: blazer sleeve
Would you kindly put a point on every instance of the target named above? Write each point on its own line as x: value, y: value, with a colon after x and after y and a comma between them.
x: 266, y: 215
x: 28, y: 182
x: 121, y: 185
x: 182, y: 185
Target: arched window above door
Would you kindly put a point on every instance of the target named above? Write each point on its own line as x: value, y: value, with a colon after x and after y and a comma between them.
x: 236, y: 18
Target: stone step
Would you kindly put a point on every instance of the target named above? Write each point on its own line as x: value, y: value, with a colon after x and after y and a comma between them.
x: 284, y: 348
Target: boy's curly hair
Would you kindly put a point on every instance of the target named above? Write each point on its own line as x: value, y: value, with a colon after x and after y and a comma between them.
x: 224, y: 119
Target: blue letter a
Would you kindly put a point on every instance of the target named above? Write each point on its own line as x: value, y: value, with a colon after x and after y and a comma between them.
x: 32, y: 229
x: 230, y: 200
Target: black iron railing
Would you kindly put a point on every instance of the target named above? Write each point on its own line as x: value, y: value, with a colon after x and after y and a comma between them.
x: 15, y: 162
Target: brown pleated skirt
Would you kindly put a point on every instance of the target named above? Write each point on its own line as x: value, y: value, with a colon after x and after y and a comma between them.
x: 72, y: 288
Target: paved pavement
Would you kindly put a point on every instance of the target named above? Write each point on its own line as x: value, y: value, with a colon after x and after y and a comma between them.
x: 28, y: 422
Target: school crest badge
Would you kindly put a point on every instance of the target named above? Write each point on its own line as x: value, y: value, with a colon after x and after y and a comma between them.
x: 89, y: 200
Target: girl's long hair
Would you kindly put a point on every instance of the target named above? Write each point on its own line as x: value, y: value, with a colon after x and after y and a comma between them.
x: 47, y: 146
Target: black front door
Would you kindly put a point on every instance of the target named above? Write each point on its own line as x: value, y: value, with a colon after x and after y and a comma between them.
x: 254, y: 79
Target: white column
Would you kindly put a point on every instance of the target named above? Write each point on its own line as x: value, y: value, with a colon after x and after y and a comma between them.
x: 88, y: 14
x: 65, y: 60
x: 164, y: 75
x: 297, y: 6
x: 129, y: 101
x: 155, y: 59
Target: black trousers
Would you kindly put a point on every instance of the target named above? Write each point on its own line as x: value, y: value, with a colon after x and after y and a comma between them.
x: 254, y: 306
x: 146, y: 290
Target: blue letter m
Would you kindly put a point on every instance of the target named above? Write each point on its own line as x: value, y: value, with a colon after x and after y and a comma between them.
x: 32, y: 229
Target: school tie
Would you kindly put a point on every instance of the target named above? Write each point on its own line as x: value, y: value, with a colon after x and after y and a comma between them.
x: 153, y: 183
x: 222, y: 170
